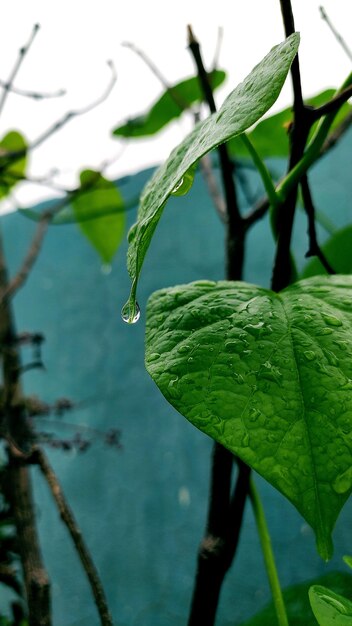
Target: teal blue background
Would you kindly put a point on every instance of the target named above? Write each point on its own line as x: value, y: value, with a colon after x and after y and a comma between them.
x: 142, y: 509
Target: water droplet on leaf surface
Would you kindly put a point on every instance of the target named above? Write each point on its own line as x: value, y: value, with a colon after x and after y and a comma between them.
x: 331, y: 320
x: 343, y: 482
x: 310, y: 355
x: 106, y: 269
x: 130, y: 313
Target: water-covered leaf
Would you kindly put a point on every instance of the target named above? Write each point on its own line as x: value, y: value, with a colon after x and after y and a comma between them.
x: 337, y: 251
x: 244, y: 106
x: 267, y: 375
x: 100, y: 195
x: 168, y: 107
x: 270, y: 136
x: 297, y: 604
x: 12, y: 168
x: 330, y: 608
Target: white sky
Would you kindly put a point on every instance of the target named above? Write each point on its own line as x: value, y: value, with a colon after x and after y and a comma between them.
x: 77, y: 37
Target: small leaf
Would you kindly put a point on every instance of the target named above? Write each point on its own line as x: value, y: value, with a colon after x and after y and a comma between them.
x: 244, y: 106
x: 100, y: 195
x: 267, y: 375
x: 297, y: 602
x: 348, y: 560
x: 329, y: 608
x: 170, y: 106
x: 12, y: 170
x: 270, y: 136
x: 337, y: 251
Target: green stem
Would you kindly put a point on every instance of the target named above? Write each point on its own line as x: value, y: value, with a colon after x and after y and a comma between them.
x: 265, y: 541
x: 273, y: 195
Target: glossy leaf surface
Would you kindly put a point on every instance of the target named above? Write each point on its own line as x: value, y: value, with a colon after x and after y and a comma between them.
x: 100, y: 195
x: 170, y: 106
x: 297, y: 604
x: 244, y: 106
x: 267, y: 375
x: 270, y: 136
x: 12, y: 170
x: 330, y: 608
x: 337, y: 251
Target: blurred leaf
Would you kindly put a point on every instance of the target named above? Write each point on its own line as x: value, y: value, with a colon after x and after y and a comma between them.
x: 337, y: 251
x: 270, y: 136
x: 11, y: 169
x: 97, y: 196
x: 348, y: 560
x: 297, y: 602
x: 329, y: 608
x: 170, y: 105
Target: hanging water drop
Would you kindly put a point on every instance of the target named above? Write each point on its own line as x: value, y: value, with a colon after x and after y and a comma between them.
x: 130, y: 313
x: 177, y: 187
x: 106, y: 269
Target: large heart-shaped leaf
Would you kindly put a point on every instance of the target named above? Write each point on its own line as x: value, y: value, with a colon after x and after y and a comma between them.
x: 174, y: 101
x: 242, y: 108
x: 267, y: 375
x: 98, y: 195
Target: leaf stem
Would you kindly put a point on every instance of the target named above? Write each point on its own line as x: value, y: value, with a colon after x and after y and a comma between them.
x: 268, y: 554
x: 262, y: 170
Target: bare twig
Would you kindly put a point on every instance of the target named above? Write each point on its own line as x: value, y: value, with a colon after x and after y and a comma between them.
x: 336, y: 34
x: 21, y: 55
x: 218, y: 48
x: 76, y: 535
x: 34, y: 95
x: 214, y: 192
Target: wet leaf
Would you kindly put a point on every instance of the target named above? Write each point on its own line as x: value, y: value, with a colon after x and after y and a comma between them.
x: 170, y: 106
x: 267, y: 375
x: 12, y: 169
x: 100, y: 195
x: 244, y: 106
x: 329, y: 608
x: 270, y: 136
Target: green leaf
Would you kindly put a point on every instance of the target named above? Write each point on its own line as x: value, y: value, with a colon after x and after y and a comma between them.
x: 337, y: 250
x: 348, y: 560
x: 329, y: 608
x: 98, y: 194
x: 244, y: 106
x: 267, y: 375
x: 297, y: 602
x: 270, y: 136
x: 13, y: 169
x: 170, y: 106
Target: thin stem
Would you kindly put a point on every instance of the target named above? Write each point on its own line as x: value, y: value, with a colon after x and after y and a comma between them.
x: 268, y: 554
x: 34, y: 95
x: 336, y: 34
x: 76, y: 535
x: 262, y: 170
x: 21, y: 55
x: 314, y: 248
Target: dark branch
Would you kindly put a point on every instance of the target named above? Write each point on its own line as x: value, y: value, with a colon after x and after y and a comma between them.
x: 314, y: 248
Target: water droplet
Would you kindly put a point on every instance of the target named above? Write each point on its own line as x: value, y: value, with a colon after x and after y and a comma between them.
x: 184, y: 497
x: 132, y: 233
x: 177, y: 186
x: 190, y: 359
x: 245, y: 440
x: 184, y: 349
x: 130, y: 313
x: 325, y: 331
x: 254, y: 415
x: 234, y: 346
x: 204, y: 283
x: 154, y: 356
x: 106, y: 269
x: 347, y: 384
x: 343, y: 482
x: 271, y: 438
x: 310, y: 355
x: 172, y: 387
x: 331, y: 320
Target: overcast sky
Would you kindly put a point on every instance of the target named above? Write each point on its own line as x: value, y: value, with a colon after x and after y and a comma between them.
x: 76, y: 39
